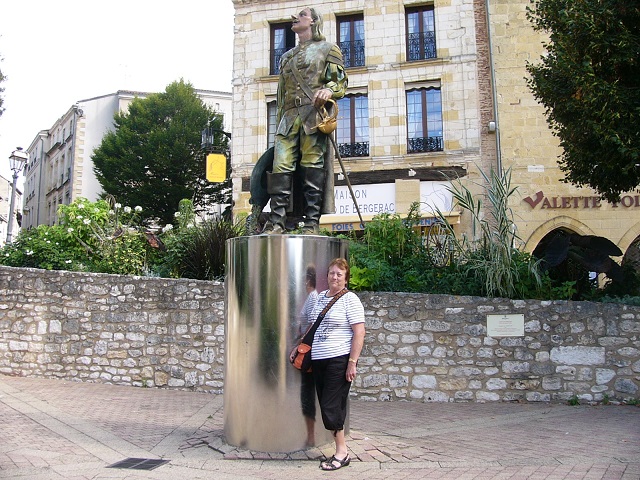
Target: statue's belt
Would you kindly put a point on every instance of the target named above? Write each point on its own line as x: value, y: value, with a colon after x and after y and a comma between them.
x: 296, y: 102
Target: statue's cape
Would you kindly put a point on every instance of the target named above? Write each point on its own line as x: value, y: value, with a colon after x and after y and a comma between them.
x: 258, y: 187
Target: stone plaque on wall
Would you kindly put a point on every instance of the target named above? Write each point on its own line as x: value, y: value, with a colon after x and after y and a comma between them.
x: 510, y: 325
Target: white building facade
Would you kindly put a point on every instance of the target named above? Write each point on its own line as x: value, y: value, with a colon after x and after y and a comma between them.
x: 60, y: 168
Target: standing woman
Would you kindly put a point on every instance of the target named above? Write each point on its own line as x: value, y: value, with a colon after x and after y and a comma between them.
x: 336, y: 348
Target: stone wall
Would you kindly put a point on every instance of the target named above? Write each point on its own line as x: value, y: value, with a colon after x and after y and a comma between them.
x: 169, y: 333
x: 435, y: 348
x: 119, y: 329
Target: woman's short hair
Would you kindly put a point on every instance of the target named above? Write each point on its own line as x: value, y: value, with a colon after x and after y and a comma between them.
x: 316, y: 28
x: 342, y: 264
x: 311, y: 275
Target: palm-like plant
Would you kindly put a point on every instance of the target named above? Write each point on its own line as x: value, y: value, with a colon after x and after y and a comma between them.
x: 491, y: 254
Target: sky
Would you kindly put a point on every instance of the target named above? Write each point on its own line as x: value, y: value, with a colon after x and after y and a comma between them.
x: 56, y: 52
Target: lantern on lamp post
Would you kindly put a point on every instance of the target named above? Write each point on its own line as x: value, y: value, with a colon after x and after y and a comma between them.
x: 217, y: 157
x: 17, y: 160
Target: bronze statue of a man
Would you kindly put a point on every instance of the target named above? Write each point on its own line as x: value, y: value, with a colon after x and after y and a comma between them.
x: 310, y: 74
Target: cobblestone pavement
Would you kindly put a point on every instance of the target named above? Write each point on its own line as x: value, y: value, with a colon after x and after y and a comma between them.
x: 53, y: 429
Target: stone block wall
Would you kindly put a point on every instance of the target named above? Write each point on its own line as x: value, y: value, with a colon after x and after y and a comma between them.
x: 436, y: 348
x: 128, y: 330
x: 170, y: 333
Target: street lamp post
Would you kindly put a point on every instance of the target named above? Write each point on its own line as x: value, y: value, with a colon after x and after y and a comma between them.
x: 17, y: 161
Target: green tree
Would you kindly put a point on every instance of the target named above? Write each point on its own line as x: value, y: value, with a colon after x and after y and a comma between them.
x: 588, y: 83
x: 154, y: 158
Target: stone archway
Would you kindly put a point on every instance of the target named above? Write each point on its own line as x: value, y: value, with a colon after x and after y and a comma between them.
x: 632, y: 254
x: 557, y: 223
x: 631, y: 236
x: 631, y: 243
x: 578, y: 260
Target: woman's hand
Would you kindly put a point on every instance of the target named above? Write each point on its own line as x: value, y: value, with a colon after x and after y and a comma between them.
x: 351, y: 372
x: 356, y: 347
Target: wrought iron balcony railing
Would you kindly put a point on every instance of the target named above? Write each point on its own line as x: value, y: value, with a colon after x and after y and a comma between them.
x: 421, y: 46
x: 358, y: 149
x: 424, y: 144
x: 275, y: 60
x: 353, y: 53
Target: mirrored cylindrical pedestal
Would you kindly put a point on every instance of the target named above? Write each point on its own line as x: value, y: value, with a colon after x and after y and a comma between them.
x: 269, y: 279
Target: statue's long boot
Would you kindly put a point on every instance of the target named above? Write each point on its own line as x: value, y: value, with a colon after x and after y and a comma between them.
x: 279, y: 187
x: 312, y: 191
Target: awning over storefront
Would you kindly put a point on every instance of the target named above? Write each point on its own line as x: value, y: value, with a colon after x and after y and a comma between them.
x: 347, y: 223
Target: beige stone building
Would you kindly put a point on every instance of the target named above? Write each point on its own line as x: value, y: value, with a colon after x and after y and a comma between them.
x: 528, y: 147
x: 416, y: 112
x: 434, y: 87
x: 60, y: 168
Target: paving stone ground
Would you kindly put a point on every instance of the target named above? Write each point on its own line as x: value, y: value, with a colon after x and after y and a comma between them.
x: 54, y: 429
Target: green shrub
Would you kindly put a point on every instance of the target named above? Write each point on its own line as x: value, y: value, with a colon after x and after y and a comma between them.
x: 112, y: 236
x: 100, y: 236
x: 392, y: 256
x: 491, y: 256
x: 626, y: 300
x: 105, y: 237
x: 198, y: 251
x: 49, y: 248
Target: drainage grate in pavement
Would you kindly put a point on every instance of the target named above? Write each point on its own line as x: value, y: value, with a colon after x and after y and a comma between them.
x: 139, y: 463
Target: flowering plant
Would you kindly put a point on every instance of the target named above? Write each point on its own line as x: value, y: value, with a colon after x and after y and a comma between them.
x: 107, y: 237
x: 101, y: 236
x: 112, y: 235
x: 51, y: 248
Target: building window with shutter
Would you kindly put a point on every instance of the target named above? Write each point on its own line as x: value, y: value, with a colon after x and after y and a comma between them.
x: 421, y: 33
x: 424, y: 120
x: 353, y: 126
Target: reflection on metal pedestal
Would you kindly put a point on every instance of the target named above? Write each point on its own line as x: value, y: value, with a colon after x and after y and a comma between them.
x: 267, y: 284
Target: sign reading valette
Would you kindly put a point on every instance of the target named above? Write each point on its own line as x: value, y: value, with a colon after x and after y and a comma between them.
x: 627, y: 201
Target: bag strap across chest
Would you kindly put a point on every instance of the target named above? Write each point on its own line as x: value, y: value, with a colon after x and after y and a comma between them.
x: 308, y: 336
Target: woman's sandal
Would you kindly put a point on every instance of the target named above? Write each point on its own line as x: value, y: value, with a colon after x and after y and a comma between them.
x: 329, y: 465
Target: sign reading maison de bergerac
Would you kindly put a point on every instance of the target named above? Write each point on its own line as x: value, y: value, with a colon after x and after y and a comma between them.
x: 578, y: 202
x: 380, y: 198
x: 372, y: 199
